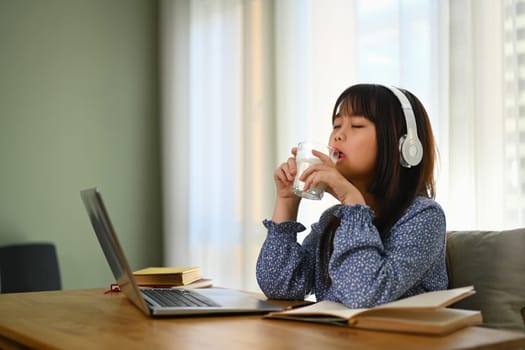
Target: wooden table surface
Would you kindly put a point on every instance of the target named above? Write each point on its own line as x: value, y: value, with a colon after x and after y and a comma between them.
x: 90, y: 319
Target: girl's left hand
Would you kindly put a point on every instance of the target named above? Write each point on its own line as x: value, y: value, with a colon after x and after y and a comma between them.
x: 336, y: 184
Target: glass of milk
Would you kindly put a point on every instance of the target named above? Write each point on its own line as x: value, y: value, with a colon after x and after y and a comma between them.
x: 304, y: 159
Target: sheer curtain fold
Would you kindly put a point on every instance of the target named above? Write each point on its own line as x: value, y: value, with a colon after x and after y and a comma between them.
x: 175, y: 95
x: 514, y: 111
x: 218, y: 134
x: 475, y: 156
x: 258, y: 134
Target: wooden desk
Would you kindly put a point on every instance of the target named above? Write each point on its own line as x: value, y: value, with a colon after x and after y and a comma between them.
x: 90, y: 319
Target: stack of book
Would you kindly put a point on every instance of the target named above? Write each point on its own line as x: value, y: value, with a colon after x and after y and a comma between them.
x: 171, y: 277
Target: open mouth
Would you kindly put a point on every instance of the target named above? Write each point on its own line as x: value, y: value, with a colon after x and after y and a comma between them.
x: 338, y: 155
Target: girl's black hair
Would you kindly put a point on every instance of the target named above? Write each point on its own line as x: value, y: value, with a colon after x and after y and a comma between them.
x: 393, y: 186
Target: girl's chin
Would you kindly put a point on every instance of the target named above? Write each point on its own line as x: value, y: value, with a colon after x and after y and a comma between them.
x: 343, y: 170
x: 339, y: 167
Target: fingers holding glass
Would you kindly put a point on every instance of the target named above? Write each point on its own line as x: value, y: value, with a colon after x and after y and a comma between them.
x: 305, y: 158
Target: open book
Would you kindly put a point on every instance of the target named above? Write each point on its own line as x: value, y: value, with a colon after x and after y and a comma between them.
x: 425, y: 313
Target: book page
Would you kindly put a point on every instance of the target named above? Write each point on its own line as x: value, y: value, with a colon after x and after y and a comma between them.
x: 324, y: 307
x: 426, y: 301
x: 432, y: 300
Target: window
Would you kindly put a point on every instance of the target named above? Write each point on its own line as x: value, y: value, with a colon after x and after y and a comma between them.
x: 514, y: 111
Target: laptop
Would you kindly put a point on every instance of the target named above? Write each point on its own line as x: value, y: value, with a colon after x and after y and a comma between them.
x: 163, y: 301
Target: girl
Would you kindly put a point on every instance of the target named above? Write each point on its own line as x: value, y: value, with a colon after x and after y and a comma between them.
x: 386, y: 240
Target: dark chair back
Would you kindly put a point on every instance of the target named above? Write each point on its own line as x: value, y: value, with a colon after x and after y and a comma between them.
x: 29, y: 267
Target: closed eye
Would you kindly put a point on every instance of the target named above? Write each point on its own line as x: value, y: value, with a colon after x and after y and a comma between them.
x: 336, y: 126
x: 357, y: 126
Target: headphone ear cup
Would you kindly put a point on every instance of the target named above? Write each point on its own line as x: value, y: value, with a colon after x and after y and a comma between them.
x: 411, y: 151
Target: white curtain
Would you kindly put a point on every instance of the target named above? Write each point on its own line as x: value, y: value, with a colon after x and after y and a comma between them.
x: 218, y: 134
x: 245, y: 80
x: 475, y: 166
x: 486, y: 172
x: 242, y: 82
x: 514, y: 112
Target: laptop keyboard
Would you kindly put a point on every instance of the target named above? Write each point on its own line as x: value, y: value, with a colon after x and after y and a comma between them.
x: 176, y: 298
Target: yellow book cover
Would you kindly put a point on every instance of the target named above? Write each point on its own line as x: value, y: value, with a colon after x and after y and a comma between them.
x: 425, y: 313
x: 167, y: 276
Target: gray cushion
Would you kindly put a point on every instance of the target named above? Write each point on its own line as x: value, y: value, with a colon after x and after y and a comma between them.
x: 494, y: 262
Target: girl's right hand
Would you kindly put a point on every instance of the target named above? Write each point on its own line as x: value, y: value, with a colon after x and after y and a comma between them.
x: 286, y: 202
x: 284, y: 176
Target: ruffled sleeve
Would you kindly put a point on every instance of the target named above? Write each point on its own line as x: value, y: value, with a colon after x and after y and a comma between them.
x: 284, y: 269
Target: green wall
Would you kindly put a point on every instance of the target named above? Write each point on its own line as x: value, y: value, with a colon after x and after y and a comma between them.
x: 79, y: 108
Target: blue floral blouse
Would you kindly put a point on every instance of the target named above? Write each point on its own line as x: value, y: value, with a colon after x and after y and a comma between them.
x: 364, y: 270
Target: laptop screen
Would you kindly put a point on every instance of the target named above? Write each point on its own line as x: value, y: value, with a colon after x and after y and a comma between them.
x: 108, y: 241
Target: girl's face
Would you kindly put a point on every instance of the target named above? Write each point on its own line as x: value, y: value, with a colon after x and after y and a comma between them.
x: 355, y: 138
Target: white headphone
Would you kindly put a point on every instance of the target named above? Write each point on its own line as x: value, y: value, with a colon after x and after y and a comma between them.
x: 410, y: 148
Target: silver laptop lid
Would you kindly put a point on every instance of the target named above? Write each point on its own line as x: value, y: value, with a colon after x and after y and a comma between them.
x: 108, y: 241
